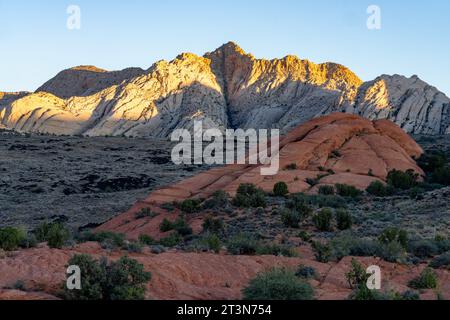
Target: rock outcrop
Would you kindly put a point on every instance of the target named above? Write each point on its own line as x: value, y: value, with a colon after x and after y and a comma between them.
x: 198, y: 276
x: 335, y: 149
x: 225, y: 88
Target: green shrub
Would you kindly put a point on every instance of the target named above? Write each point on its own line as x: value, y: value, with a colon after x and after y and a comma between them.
x: 248, y: 195
x: 145, y: 213
x: 345, y: 190
x: 344, y: 219
x: 305, y: 236
x: 190, y: 206
x: 441, y: 261
x: 243, y: 244
x: 146, y: 240
x: 134, y: 247
x: 321, y: 201
x: 441, y: 176
x: 180, y: 225
x: 378, y: 189
x: 11, y: 238
x: 322, y: 220
x: 357, y: 276
x: 394, y: 234
x: 276, y: 250
x: 219, y: 200
x: 306, y: 272
x: 326, y: 190
x: 103, y: 280
x: 172, y: 240
x: 280, y: 189
x: 212, y: 225
x: 427, y: 280
x: 402, y: 180
x: 116, y: 239
x: 290, y: 218
x: 322, y: 251
x: 166, y: 225
x: 209, y: 242
x: 278, y: 284
x: 423, y: 248
x: 55, y: 234
x: 392, y: 252
x: 292, y: 166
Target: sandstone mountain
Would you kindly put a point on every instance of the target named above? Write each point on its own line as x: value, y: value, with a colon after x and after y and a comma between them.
x: 335, y: 149
x: 227, y: 88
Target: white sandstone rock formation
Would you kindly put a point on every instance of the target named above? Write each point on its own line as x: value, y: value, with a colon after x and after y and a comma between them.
x: 227, y: 88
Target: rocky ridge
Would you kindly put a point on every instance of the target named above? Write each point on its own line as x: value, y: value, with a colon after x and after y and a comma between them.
x: 226, y: 88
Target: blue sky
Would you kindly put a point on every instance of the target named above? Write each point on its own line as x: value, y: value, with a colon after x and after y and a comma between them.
x: 35, y: 43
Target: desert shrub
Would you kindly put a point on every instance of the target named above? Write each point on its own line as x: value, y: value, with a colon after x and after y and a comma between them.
x: 298, y: 205
x: 364, y: 248
x: 180, y: 225
x: 116, y: 239
x: 426, y: 280
x: 441, y: 176
x: 378, y: 189
x: 243, y: 244
x: 219, y: 200
x: 145, y: 213
x: 410, y: 295
x: 290, y: 218
x: 280, y: 189
x: 168, y: 206
x: 442, y: 243
x: 276, y: 250
x: 322, y: 251
x: 213, y: 225
x: 345, y: 190
x: 423, y: 248
x: 316, y: 200
x: 305, y: 236
x: 146, y: 240
x: 326, y: 190
x: 29, y: 241
x: 441, y: 261
x: 11, y: 238
x: 166, y: 225
x: 357, y: 276
x: 172, y: 240
x: 248, y: 195
x: 402, y: 180
x: 416, y: 192
x: 392, y: 252
x: 394, y: 234
x: 278, y: 284
x: 103, y: 280
x: 190, y: 205
x: 292, y: 166
x: 133, y: 247
x: 343, y: 219
x: 322, y: 220
x: 55, y: 234
x: 208, y: 242
x: 306, y: 272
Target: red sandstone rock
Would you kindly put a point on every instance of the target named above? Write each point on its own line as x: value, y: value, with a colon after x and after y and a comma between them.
x: 179, y: 275
x: 340, y: 148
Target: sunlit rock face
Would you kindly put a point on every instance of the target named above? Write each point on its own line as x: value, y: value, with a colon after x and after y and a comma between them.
x: 226, y: 88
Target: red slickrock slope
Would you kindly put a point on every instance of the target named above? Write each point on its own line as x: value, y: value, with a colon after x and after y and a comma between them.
x: 340, y: 148
x: 178, y: 275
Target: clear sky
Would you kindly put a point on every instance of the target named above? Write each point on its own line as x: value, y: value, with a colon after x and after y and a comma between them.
x: 35, y: 43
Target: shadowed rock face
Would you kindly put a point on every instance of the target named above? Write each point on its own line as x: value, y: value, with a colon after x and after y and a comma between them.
x: 339, y: 148
x: 225, y: 88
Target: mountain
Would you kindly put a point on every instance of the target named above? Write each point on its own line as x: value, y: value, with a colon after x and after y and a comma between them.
x: 226, y: 88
